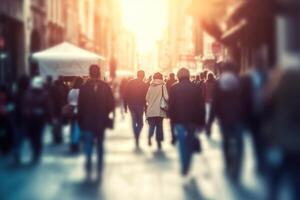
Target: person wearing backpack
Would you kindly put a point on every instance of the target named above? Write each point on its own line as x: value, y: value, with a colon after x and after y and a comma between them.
x: 95, y: 103
x: 36, y: 111
x: 156, y: 96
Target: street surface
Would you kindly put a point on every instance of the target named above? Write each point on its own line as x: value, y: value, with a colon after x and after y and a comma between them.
x: 145, y: 174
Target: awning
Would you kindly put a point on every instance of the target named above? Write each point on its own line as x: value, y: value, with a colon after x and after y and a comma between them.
x: 235, y: 33
x: 66, y: 59
x: 212, y: 28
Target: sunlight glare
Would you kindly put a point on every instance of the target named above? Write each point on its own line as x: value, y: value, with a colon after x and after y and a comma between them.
x: 147, y: 19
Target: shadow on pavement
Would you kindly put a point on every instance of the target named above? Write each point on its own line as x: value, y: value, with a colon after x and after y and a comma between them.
x: 191, y: 190
x: 86, y: 189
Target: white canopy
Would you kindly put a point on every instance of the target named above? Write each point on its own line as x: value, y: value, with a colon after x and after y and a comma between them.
x: 66, y: 59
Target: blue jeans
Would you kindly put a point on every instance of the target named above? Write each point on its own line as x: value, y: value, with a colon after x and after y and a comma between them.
x: 185, y: 135
x: 89, y: 138
x: 137, y: 119
x: 75, y: 133
x: 232, y: 148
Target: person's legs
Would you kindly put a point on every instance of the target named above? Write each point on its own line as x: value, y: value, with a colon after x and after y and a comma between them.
x: 140, y: 121
x: 133, y: 118
x: 159, y: 131
x: 19, y: 134
x: 75, y: 136
x: 88, y: 149
x: 151, y: 122
x: 236, y: 146
x: 173, y: 140
x: 226, y: 147
x: 139, y: 111
x: 57, y: 131
x: 259, y: 152
x: 100, y: 151
x: 180, y: 132
x: 36, y: 131
x: 189, y: 147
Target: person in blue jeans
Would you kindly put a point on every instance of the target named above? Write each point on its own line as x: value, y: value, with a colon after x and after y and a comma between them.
x: 135, y: 99
x: 95, y: 103
x: 137, y: 113
x: 227, y: 107
x: 187, y: 111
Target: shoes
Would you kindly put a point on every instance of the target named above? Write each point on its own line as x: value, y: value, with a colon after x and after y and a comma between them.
x: 173, y: 141
x: 137, y: 144
x: 149, y: 142
x: 159, y: 145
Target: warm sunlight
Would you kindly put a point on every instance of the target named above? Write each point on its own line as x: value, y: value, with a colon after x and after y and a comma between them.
x: 146, y: 19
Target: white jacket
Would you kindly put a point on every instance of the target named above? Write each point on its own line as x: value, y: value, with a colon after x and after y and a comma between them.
x: 153, y: 99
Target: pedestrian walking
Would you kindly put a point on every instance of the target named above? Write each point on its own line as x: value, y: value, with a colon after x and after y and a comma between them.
x: 122, y: 92
x: 281, y: 130
x: 227, y: 107
x: 254, y: 87
x: 73, y: 107
x: 6, y: 120
x: 187, y: 111
x: 19, y: 123
x: 209, y: 87
x: 170, y: 82
x: 59, y: 98
x: 95, y: 103
x: 36, y: 111
x: 135, y: 100
x: 156, y: 99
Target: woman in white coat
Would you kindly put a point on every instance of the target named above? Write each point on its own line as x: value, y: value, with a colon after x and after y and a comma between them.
x: 156, y: 99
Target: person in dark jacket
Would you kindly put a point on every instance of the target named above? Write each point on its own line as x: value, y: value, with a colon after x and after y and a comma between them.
x: 122, y: 90
x: 281, y: 129
x: 22, y: 86
x: 59, y: 96
x: 135, y: 100
x: 6, y: 121
x: 36, y: 111
x: 209, y: 87
x: 227, y: 107
x: 187, y: 111
x: 254, y: 88
x: 170, y: 82
x: 95, y: 103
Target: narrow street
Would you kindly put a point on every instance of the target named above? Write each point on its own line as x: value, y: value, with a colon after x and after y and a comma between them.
x: 144, y: 174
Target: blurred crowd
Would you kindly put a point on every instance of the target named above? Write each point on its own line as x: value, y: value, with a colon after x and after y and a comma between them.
x: 262, y: 102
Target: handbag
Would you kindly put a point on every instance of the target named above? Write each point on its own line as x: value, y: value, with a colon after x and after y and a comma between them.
x: 163, y: 103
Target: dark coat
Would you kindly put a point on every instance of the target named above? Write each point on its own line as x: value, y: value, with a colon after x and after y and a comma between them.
x: 135, y: 93
x: 227, y: 104
x: 282, y: 112
x: 36, y: 107
x: 58, y: 93
x: 95, y: 103
x: 170, y: 83
x: 186, y: 104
